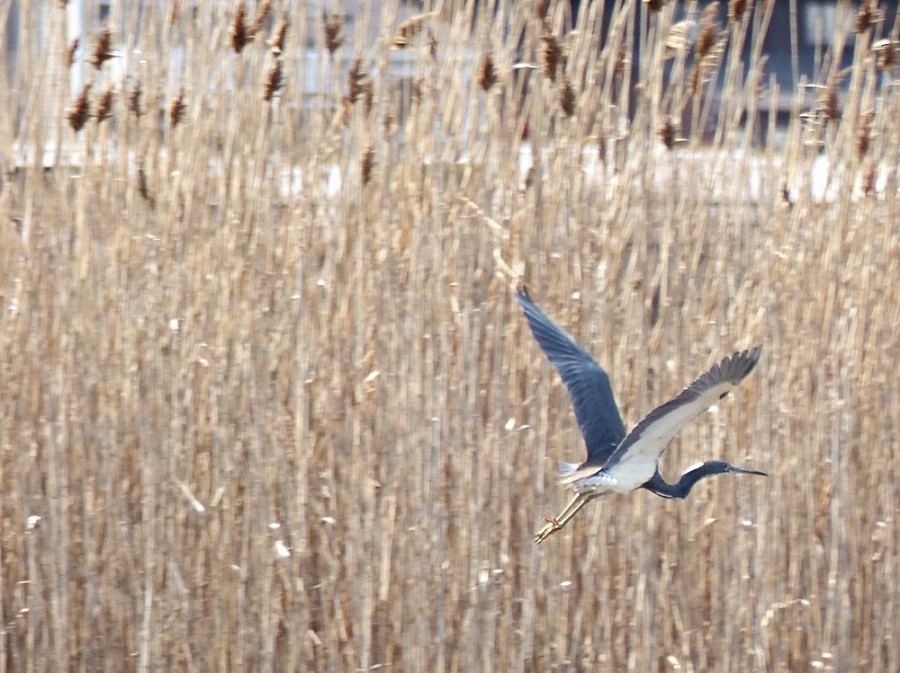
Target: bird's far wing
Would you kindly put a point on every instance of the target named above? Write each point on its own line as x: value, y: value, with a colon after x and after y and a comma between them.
x: 595, y: 406
x: 647, y: 440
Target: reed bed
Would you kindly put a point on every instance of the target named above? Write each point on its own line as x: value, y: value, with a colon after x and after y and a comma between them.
x: 267, y: 402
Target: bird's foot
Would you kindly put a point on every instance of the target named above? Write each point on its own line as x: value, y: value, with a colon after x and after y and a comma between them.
x: 549, y: 528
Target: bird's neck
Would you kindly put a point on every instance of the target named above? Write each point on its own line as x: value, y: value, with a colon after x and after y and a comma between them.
x: 679, y: 490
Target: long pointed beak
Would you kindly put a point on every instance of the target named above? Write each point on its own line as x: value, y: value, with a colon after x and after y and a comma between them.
x: 745, y: 470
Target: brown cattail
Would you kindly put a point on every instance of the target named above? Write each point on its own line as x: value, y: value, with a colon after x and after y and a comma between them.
x: 432, y: 44
x: 736, y: 9
x: 103, y: 109
x: 864, y: 134
x: 238, y: 32
x: 366, y: 164
x: 357, y: 80
x: 71, y: 51
x: 100, y: 48
x: 866, y: 17
x: 655, y: 5
x: 868, y: 179
x: 274, y: 80
x: 79, y: 110
x: 785, y: 194
x: 541, y: 7
x: 143, y: 189
x: 174, y: 11
x: 276, y: 42
x: 333, y: 37
x: 262, y: 13
x: 487, y: 73
x: 708, y: 33
x: 133, y: 100
x: 667, y: 134
x: 827, y: 103
x: 551, y: 55
x: 706, y: 48
x: 567, y: 98
x: 177, y: 108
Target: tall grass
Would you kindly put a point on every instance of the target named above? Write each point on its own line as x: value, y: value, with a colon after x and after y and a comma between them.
x: 263, y: 381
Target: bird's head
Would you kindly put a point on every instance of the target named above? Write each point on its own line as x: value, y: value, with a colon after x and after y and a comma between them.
x: 721, y: 467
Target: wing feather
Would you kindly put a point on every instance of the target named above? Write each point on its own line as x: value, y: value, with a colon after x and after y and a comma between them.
x: 643, y: 446
x: 588, y: 385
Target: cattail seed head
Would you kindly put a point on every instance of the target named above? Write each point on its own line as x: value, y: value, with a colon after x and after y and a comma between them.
x: 736, y: 9
x: 366, y: 164
x: 667, y: 134
x: 274, y: 80
x: 238, y: 31
x: 79, y: 110
x: 356, y: 80
x: 487, y: 73
x: 133, y: 100
x: 177, y: 108
x: 551, y: 55
x: 276, y: 42
x: 262, y: 13
x: 709, y: 31
x: 567, y: 98
x: 864, y: 134
x: 827, y: 102
x: 541, y: 7
x: 655, y: 5
x: 100, y: 48
x: 143, y: 188
x: 868, y: 180
x: 103, y: 109
x: 333, y: 37
x: 866, y: 17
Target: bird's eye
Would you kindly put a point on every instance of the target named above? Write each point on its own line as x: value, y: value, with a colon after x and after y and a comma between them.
x: 723, y: 395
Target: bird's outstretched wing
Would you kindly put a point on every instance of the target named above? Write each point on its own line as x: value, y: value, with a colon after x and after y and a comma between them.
x: 647, y: 440
x: 595, y: 406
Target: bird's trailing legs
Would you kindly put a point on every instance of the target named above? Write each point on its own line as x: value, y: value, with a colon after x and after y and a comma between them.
x: 552, y: 525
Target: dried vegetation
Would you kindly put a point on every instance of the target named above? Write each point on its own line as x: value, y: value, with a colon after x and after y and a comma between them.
x: 267, y: 403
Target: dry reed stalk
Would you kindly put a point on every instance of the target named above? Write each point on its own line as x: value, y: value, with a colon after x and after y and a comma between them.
x: 410, y: 28
x: 281, y: 424
x: 263, y: 10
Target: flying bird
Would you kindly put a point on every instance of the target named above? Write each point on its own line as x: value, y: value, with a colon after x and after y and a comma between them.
x: 618, y: 462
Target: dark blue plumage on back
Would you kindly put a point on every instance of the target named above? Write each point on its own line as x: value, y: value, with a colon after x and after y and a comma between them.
x: 595, y: 406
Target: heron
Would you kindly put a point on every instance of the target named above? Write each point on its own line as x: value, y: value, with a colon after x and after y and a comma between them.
x: 620, y: 462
